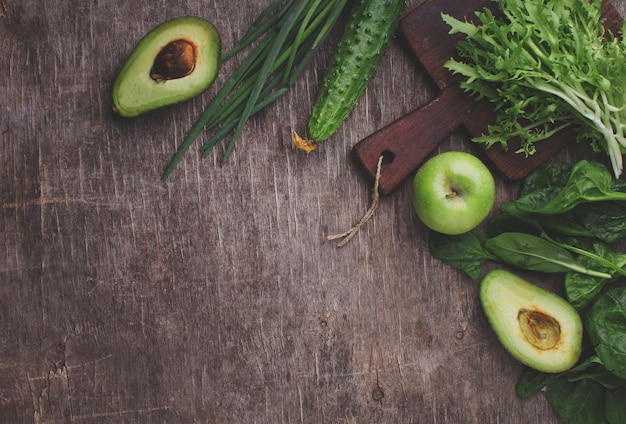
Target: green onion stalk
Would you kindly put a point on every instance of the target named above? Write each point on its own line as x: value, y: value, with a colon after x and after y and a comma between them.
x: 286, y: 35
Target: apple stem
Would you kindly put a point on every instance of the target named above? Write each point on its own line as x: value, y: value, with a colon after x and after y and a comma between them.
x: 451, y: 195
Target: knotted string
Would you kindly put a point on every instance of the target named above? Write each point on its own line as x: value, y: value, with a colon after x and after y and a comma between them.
x: 348, y: 235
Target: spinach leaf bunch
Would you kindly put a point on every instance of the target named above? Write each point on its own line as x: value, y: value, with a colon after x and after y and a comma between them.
x: 547, y: 65
x: 567, y: 220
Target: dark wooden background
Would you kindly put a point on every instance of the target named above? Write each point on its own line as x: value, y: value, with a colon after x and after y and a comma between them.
x: 215, y: 297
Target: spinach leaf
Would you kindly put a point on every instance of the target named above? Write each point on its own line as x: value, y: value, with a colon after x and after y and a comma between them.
x: 581, y: 289
x: 532, y: 202
x: 588, y: 182
x: 565, y: 224
x: 551, y: 175
x: 534, y: 253
x: 615, y: 406
x: 594, y: 369
x: 531, y: 382
x: 606, y: 327
x: 598, y: 260
x: 513, y: 222
x: 464, y: 251
x: 577, y: 402
x: 604, y: 220
x: 606, y: 378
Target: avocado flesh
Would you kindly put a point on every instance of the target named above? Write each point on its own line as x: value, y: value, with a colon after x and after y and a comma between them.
x: 138, y: 89
x: 537, y: 327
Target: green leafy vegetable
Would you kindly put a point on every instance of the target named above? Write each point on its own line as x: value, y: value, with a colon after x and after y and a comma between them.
x: 583, y: 200
x: 586, y: 394
x: 564, y: 221
x: 464, y: 251
x: 531, y: 382
x: 536, y: 224
x: 615, y: 406
x: 598, y: 259
x: 534, y: 253
x: 554, y: 175
x: 547, y: 65
x: 581, y: 289
x: 588, y: 182
x: 579, y: 402
x: 604, y: 220
x: 606, y: 326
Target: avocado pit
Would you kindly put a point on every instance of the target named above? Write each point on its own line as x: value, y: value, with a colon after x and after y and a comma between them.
x: 176, y: 60
x: 541, y: 330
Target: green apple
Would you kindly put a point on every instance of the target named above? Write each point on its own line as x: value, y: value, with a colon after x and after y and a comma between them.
x: 453, y: 192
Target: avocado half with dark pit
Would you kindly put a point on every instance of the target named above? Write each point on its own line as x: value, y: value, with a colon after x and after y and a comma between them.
x: 537, y: 327
x: 176, y: 61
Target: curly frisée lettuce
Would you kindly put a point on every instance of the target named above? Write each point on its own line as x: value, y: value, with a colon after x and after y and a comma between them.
x: 547, y: 65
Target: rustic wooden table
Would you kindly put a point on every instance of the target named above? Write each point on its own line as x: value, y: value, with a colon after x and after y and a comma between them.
x: 215, y: 296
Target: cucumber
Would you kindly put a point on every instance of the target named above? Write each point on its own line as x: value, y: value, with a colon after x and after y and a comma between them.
x: 366, y: 38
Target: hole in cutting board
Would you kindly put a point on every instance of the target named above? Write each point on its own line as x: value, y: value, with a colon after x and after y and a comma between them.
x: 388, y: 157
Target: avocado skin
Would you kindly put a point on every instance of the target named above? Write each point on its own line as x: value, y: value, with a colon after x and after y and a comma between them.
x: 504, y: 295
x: 135, y: 92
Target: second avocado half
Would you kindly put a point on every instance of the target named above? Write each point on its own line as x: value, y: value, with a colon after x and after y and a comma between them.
x: 537, y: 327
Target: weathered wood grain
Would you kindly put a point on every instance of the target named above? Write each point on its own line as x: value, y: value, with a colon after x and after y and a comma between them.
x: 215, y: 297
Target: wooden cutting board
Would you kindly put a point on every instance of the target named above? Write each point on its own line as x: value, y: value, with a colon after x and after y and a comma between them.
x: 406, y: 143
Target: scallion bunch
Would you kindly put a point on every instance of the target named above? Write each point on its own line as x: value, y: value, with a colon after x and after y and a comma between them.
x: 283, y: 39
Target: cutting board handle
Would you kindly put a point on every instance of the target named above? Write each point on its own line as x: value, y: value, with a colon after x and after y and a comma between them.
x: 408, y: 141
